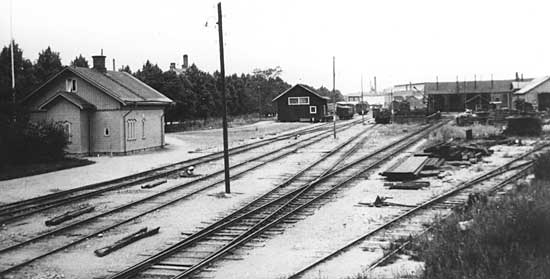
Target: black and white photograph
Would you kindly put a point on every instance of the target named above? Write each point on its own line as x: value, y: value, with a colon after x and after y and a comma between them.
x: 242, y: 139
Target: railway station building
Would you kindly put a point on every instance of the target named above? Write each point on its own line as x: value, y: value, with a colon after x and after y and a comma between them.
x: 103, y: 112
x: 300, y: 104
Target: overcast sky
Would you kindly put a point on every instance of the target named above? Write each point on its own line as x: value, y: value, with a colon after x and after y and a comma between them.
x: 398, y: 41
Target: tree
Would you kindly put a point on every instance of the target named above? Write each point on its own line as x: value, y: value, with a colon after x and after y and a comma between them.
x: 48, y: 63
x: 24, y: 78
x: 80, y: 61
x: 151, y: 74
x: 125, y: 69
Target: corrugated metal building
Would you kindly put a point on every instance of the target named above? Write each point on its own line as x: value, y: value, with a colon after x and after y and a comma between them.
x: 536, y: 92
x: 102, y: 111
x: 300, y: 103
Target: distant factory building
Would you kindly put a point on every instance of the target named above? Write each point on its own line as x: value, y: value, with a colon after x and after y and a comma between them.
x: 300, y: 103
x: 460, y: 95
x: 183, y: 68
x: 101, y: 111
x: 536, y: 92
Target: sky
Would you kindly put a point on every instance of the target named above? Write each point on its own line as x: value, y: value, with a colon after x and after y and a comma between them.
x: 396, y: 41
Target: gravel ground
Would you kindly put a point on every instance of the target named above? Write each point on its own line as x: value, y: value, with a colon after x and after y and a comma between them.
x: 181, y: 146
x: 183, y: 217
x: 341, y: 221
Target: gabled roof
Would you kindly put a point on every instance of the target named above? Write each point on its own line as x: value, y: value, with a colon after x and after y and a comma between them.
x: 122, y: 86
x: 532, y: 85
x: 72, y: 98
x: 303, y: 87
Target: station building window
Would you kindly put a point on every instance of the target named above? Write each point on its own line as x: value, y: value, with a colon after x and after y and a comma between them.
x: 70, y: 85
x: 131, y: 129
x: 296, y: 101
x: 312, y: 109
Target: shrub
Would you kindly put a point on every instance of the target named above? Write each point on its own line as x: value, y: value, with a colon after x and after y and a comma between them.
x: 29, y: 142
x: 509, y: 239
x: 542, y: 166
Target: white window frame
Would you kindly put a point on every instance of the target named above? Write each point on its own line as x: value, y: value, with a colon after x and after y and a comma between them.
x: 71, y: 85
x: 131, y: 129
x: 143, y: 129
x: 312, y: 110
x: 67, y: 128
x: 298, y: 101
x: 106, y: 132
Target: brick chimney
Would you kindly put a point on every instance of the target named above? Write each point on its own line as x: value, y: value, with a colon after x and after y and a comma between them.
x: 99, y: 62
x: 185, y: 62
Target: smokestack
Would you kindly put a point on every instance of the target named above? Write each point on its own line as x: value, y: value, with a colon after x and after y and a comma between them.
x: 185, y: 62
x: 436, y: 83
x: 172, y: 66
x: 517, y: 76
x: 375, y: 84
x: 114, y: 65
x: 492, y: 81
x: 99, y: 62
x: 521, y: 76
x: 475, y: 81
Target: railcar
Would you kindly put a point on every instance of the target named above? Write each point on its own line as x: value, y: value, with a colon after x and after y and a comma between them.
x: 381, y: 115
x: 362, y: 108
x: 345, y: 110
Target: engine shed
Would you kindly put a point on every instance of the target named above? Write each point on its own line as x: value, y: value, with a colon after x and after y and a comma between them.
x: 300, y: 104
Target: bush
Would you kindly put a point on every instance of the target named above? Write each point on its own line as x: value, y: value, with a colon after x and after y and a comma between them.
x: 23, y: 143
x: 510, y: 239
x: 542, y: 166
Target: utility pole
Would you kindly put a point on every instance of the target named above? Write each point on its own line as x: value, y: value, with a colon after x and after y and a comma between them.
x: 334, y: 94
x: 361, y: 104
x: 13, y: 99
x: 224, y: 103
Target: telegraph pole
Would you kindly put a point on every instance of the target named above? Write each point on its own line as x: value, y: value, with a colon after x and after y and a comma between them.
x: 13, y: 99
x: 334, y: 94
x: 224, y: 103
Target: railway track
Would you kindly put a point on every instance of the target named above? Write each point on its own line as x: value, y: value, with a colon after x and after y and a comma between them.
x: 201, y: 249
x: 413, y: 221
x: 17, y: 210
x: 37, y: 247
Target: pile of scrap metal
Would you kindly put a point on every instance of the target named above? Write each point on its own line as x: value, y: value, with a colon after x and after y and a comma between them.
x: 428, y: 163
x: 459, y: 151
x: 468, y: 117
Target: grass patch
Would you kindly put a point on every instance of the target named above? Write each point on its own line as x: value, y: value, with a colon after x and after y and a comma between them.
x: 22, y: 170
x: 510, y: 237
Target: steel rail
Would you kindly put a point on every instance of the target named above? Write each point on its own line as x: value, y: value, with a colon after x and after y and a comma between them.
x: 524, y: 170
x: 87, y: 220
x: 460, y: 187
x: 54, y: 203
x: 171, y: 250
x: 150, y: 174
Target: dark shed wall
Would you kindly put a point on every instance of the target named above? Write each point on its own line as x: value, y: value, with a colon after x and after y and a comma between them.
x: 293, y: 113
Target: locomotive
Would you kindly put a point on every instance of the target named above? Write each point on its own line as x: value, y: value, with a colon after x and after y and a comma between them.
x: 381, y: 115
x: 345, y: 110
x: 362, y: 108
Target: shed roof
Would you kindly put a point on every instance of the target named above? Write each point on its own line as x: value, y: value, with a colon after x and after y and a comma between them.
x: 122, y: 86
x: 72, y: 98
x: 481, y: 86
x: 532, y: 85
x: 303, y: 87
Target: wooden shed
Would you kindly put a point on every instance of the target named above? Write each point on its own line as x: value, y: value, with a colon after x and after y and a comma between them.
x: 300, y: 104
